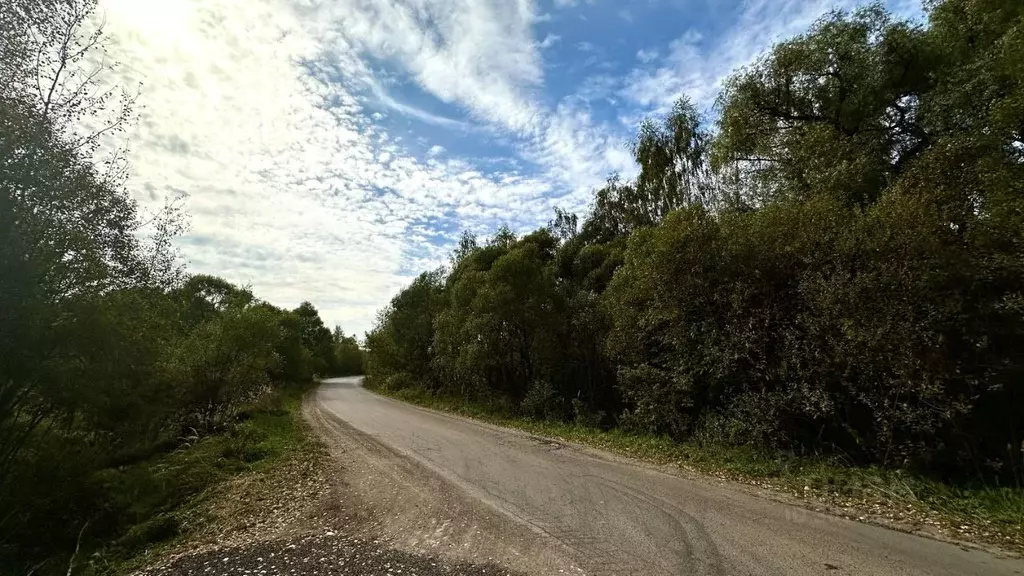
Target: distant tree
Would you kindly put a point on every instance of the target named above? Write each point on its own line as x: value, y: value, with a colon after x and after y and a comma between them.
x: 317, y: 339
x: 467, y: 244
x: 564, y: 226
x: 347, y: 353
x: 399, y: 348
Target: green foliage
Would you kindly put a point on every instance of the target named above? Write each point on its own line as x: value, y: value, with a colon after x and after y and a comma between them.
x: 831, y: 112
x: 65, y: 235
x: 836, y: 270
x: 316, y: 338
x: 136, y: 375
x: 673, y: 163
x: 221, y: 365
x: 149, y: 502
x: 115, y: 372
x: 348, y: 355
x: 502, y: 327
x: 401, y: 342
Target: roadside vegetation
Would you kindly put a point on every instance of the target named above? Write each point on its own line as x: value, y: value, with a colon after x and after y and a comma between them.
x: 821, y: 285
x: 128, y: 387
x: 174, y: 496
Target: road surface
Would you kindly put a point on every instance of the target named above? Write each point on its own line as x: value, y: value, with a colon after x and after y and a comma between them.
x: 615, y: 517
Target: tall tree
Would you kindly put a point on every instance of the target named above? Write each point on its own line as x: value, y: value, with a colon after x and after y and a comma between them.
x: 849, y: 89
x: 69, y: 228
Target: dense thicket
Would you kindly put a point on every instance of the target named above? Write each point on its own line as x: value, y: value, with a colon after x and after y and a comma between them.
x: 835, y: 266
x: 108, y: 352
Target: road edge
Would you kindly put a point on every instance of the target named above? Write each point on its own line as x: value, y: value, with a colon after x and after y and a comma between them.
x: 751, y: 486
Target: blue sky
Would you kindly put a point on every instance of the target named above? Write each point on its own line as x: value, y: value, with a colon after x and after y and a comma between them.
x: 330, y: 150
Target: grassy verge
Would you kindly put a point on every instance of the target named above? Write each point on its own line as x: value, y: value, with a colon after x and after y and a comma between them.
x: 989, y: 514
x: 167, y: 498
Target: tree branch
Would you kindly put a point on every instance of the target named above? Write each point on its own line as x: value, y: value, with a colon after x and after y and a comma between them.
x: 78, y: 545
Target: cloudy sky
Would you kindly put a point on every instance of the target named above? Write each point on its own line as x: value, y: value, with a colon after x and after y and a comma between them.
x: 330, y: 150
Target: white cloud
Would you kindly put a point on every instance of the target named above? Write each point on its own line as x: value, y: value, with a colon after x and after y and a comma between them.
x: 570, y: 3
x: 647, y: 56
x: 435, y: 150
x: 386, y: 100
x: 478, y: 54
x: 549, y: 41
x: 292, y: 186
x: 600, y: 87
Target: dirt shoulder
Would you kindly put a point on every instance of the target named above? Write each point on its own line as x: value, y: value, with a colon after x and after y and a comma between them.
x: 339, y: 505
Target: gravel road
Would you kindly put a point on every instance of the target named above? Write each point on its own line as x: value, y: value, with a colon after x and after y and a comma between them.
x: 453, y: 487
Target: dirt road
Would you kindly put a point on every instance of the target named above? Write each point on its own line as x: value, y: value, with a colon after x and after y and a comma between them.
x: 484, y: 493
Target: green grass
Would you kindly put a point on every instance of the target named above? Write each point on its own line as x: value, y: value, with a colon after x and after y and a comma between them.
x: 987, y: 514
x: 160, y: 499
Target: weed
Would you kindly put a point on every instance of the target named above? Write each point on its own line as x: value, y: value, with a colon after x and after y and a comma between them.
x: 153, y: 502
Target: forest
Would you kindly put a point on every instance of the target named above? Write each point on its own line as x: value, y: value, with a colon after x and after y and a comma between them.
x: 116, y: 365
x: 830, y: 262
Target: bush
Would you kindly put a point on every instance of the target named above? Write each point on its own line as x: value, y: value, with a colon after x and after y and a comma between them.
x: 155, y: 529
x: 399, y: 381
x: 245, y: 443
x: 541, y: 401
x: 222, y: 365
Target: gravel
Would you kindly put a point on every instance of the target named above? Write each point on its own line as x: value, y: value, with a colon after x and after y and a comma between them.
x: 326, y: 554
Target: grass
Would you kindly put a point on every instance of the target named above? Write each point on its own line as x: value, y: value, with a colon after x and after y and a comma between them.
x: 985, y: 514
x: 162, y: 499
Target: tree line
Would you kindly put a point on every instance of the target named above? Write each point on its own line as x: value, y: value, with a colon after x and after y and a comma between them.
x: 833, y: 265
x: 109, y: 352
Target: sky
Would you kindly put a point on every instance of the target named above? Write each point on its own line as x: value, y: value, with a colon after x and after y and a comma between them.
x: 331, y: 150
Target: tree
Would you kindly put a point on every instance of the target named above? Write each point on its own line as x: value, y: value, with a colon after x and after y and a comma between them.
x: 222, y: 364
x: 675, y: 171
x: 849, y: 89
x: 55, y: 59
x: 69, y: 248
x: 348, y: 355
x: 501, y: 331
x: 673, y: 159
x: 400, y: 345
x: 316, y: 338
x: 70, y: 229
